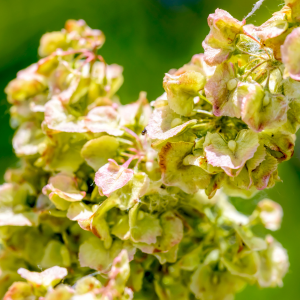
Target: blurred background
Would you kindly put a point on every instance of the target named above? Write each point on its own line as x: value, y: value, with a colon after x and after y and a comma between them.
x: 146, y: 37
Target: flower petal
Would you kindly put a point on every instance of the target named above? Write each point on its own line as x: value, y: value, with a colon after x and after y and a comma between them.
x: 182, y: 89
x: 188, y: 178
x: 112, y: 177
x: 160, y: 124
x: 291, y: 55
x: 219, y: 155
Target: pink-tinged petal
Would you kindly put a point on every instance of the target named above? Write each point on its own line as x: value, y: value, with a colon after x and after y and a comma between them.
x: 218, y: 153
x: 58, y: 118
x: 272, y: 37
x: 291, y: 54
x: 220, y: 41
x: 64, y: 185
x: 46, y: 278
x: 160, y: 124
x: 103, y: 119
x: 271, y: 29
x: 224, y: 101
x: 9, y: 218
x: 112, y: 177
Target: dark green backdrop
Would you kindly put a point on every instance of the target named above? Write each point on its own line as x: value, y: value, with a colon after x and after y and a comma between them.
x: 147, y: 37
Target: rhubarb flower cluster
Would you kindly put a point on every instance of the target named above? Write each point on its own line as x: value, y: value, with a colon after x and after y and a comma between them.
x: 92, y: 203
x: 228, y: 118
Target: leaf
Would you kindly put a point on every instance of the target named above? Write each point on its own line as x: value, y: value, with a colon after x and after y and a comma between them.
x: 262, y: 174
x: 56, y: 254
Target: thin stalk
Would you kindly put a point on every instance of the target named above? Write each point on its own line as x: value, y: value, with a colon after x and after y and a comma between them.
x: 200, y: 111
x: 247, y: 74
x: 204, y: 98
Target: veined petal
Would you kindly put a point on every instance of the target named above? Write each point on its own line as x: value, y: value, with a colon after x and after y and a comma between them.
x: 160, y: 124
x: 224, y: 101
x: 174, y: 172
x: 112, y: 177
x: 220, y: 41
x: 182, y: 89
x: 261, y: 110
x: 218, y: 153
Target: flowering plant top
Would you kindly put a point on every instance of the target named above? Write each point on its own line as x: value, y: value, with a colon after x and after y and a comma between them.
x: 129, y: 194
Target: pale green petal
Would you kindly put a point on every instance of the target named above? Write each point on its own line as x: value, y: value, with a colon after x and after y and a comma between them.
x: 182, y: 89
x: 96, y: 152
x: 172, y: 231
x: 162, y: 125
x: 188, y: 178
x: 144, y: 227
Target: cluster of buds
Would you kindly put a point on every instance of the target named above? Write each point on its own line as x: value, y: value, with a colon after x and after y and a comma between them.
x: 228, y: 118
x: 91, y: 193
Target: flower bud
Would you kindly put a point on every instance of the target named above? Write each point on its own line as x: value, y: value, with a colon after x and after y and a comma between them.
x: 176, y: 122
x: 266, y: 100
x: 232, y: 145
x: 231, y: 84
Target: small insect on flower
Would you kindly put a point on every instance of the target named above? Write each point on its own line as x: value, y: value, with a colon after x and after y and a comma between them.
x: 144, y: 131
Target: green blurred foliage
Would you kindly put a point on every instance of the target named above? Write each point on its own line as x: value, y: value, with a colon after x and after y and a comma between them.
x: 147, y: 37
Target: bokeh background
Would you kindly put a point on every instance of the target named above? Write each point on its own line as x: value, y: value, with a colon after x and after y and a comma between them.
x: 147, y: 37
